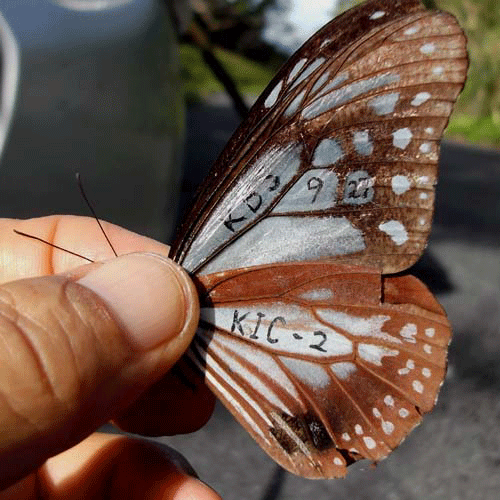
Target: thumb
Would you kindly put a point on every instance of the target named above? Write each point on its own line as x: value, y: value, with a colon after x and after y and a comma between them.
x: 77, y: 349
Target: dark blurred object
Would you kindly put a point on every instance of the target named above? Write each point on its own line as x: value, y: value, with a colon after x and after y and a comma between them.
x: 237, y: 26
x: 99, y: 93
x: 201, y: 39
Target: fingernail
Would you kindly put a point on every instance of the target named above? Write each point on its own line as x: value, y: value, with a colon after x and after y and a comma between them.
x: 149, y: 295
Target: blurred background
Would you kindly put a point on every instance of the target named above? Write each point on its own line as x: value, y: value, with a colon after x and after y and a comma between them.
x: 124, y: 92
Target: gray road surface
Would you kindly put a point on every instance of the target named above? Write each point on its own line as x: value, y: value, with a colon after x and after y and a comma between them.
x: 455, y: 453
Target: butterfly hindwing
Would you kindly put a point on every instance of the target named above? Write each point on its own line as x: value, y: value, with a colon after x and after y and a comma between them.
x: 322, y: 364
x: 338, y: 158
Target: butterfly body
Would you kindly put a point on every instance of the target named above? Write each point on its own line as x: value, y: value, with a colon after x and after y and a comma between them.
x: 324, y: 190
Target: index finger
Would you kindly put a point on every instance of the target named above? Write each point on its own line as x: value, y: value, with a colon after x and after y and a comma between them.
x: 22, y: 257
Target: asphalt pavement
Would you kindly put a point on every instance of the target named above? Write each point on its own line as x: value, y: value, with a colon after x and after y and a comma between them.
x: 455, y: 453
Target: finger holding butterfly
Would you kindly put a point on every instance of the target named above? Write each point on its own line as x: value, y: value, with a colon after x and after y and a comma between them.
x: 21, y: 257
x: 78, y: 347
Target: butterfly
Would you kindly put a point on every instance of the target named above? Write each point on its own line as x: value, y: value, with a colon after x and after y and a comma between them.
x: 310, y: 333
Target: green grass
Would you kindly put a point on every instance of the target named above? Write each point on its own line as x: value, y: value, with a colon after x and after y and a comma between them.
x: 479, y: 130
x: 477, y: 112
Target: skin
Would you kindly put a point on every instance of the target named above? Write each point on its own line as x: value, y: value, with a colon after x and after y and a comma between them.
x: 74, y: 355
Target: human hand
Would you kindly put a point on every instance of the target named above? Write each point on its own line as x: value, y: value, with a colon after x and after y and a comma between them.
x: 80, y: 345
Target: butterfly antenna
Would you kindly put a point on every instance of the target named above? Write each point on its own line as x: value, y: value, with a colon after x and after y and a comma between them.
x: 87, y: 202
x: 52, y: 245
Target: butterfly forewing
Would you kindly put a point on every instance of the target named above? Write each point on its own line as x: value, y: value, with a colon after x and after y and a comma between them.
x: 345, y: 139
x: 325, y: 188
x: 322, y: 364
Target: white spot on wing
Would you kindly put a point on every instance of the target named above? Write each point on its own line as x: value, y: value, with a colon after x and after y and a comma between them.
x: 425, y: 147
x: 294, y: 105
x: 346, y: 437
x: 374, y: 353
x: 320, y: 82
x: 389, y: 401
x: 423, y: 196
x: 308, y: 71
x: 420, y: 98
x: 417, y: 386
x: 400, y: 184
x: 346, y: 93
x: 426, y: 372
x: 408, y: 332
x: 412, y: 30
x: 387, y: 427
x: 378, y: 14
x: 429, y: 130
x: 395, y: 230
x: 430, y: 332
x: 337, y: 461
x: 428, y: 48
x: 316, y: 189
x: 384, y: 104
x: 312, y: 374
x: 427, y: 348
x: 402, y: 137
x: 340, y: 78
x: 358, y: 429
x: 343, y: 370
x: 317, y: 294
x: 376, y: 413
x: 369, y: 442
x: 362, y: 143
x: 355, y: 325
x: 295, y: 71
x: 327, y: 152
x: 269, y: 241
x: 273, y: 96
x: 403, y: 412
x: 438, y: 70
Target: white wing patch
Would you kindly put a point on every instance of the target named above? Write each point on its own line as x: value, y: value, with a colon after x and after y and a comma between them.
x: 343, y: 370
x: 400, y: 184
x: 357, y: 326
x: 308, y: 71
x: 316, y: 189
x: 384, y: 104
x: 362, y: 143
x: 395, y: 230
x: 273, y: 96
x: 327, y: 152
x: 282, y: 328
x: 402, y: 137
x: 312, y: 374
x: 420, y: 98
x: 374, y: 353
x: 255, y: 191
x: 346, y: 93
x: 269, y: 241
